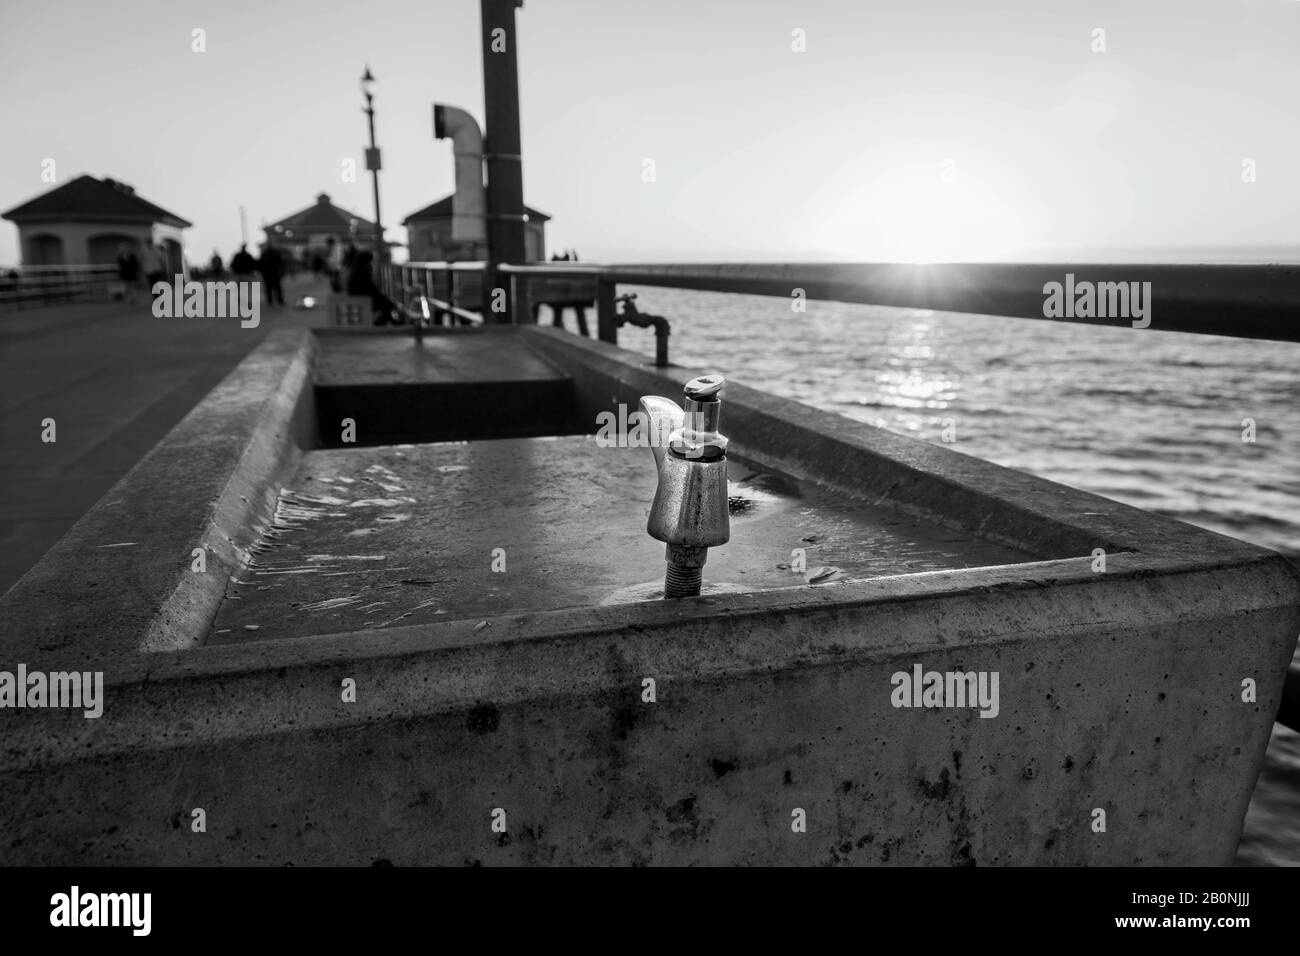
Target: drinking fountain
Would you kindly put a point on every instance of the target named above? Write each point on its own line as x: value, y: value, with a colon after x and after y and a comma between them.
x: 689, y: 513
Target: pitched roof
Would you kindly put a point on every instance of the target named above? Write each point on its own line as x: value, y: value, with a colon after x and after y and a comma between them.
x: 86, y: 197
x: 322, y: 216
x: 442, y: 210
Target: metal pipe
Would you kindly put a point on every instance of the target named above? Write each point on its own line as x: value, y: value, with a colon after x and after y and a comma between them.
x: 469, y: 201
x: 505, y: 186
x: 464, y: 315
x: 630, y: 314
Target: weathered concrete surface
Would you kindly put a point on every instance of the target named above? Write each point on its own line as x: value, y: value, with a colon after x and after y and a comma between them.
x: 491, y: 355
x: 1271, y: 830
x: 1119, y: 691
x: 765, y: 704
x: 474, y: 383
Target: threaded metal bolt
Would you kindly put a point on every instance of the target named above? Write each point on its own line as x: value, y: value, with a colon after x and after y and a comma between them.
x: 685, y: 571
x: 682, y: 582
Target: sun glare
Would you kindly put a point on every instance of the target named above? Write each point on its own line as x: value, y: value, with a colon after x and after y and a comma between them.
x: 925, y: 219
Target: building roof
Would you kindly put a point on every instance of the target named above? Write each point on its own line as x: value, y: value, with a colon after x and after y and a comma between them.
x: 86, y: 197
x: 442, y: 210
x: 321, y: 217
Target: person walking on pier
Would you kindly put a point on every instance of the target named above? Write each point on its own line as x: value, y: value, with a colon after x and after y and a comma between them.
x: 154, y: 265
x: 128, y: 272
x: 271, y: 265
x: 362, y: 282
x: 242, y: 264
x: 334, y: 263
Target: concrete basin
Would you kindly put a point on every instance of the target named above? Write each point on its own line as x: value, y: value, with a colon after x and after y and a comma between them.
x: 414, y: 642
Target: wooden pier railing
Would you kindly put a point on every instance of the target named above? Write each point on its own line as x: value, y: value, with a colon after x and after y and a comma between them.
x: 31, y: 286
x: 1243, y: 301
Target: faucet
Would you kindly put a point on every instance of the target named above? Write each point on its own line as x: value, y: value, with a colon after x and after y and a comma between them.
x: 689, y: 512
x: 626, y: 311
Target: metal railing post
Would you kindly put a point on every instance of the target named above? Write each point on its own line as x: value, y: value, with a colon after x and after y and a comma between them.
x: 426, y: 283
x: 521, y: 300
x: 606, y: 319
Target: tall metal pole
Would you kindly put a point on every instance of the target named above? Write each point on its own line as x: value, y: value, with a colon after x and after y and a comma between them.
x: 505, y: 171
x: 373, y: 164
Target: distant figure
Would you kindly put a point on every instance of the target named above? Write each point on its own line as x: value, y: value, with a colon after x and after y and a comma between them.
x: 154, y: 264
x: 334, y: 263
x: 128, y: 272
x: 215, y: 266
x: 242, y: 264
x: 361, y: 282
x: 573, y: 254
x: 271, y: 265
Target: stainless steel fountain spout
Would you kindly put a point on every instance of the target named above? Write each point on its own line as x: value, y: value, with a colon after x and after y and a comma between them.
x: 689, y: 512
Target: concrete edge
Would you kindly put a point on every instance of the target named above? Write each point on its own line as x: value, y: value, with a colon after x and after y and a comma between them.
x: 231, y: 451
x: 264, y: 688
x: 1009, y: 507
x: 253, y: 488
x: 254, y: 450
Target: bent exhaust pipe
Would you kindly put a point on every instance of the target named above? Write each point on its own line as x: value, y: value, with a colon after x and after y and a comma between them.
x: 469, y: 201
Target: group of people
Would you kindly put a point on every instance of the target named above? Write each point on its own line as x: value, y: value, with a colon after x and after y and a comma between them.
x: 350, y: 271
x: 243, y: 267
x: 150, y: 265
x: 569, y: 255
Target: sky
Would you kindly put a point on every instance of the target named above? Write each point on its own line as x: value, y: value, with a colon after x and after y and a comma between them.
x: 902, y: 130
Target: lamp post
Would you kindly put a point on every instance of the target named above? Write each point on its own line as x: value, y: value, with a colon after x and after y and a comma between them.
x: 372, y: 164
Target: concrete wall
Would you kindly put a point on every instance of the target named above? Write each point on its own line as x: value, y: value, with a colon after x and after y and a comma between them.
x: 760, y: 711
x: 1119, y: 691
x: 172, y: 239
x: 76, y: 236
x: 79, y: 246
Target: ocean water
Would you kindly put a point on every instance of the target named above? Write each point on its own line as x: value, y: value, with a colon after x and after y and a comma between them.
x: 1152, y: 419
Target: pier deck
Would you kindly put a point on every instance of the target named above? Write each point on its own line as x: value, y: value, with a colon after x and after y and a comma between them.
x: 115, y: 379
